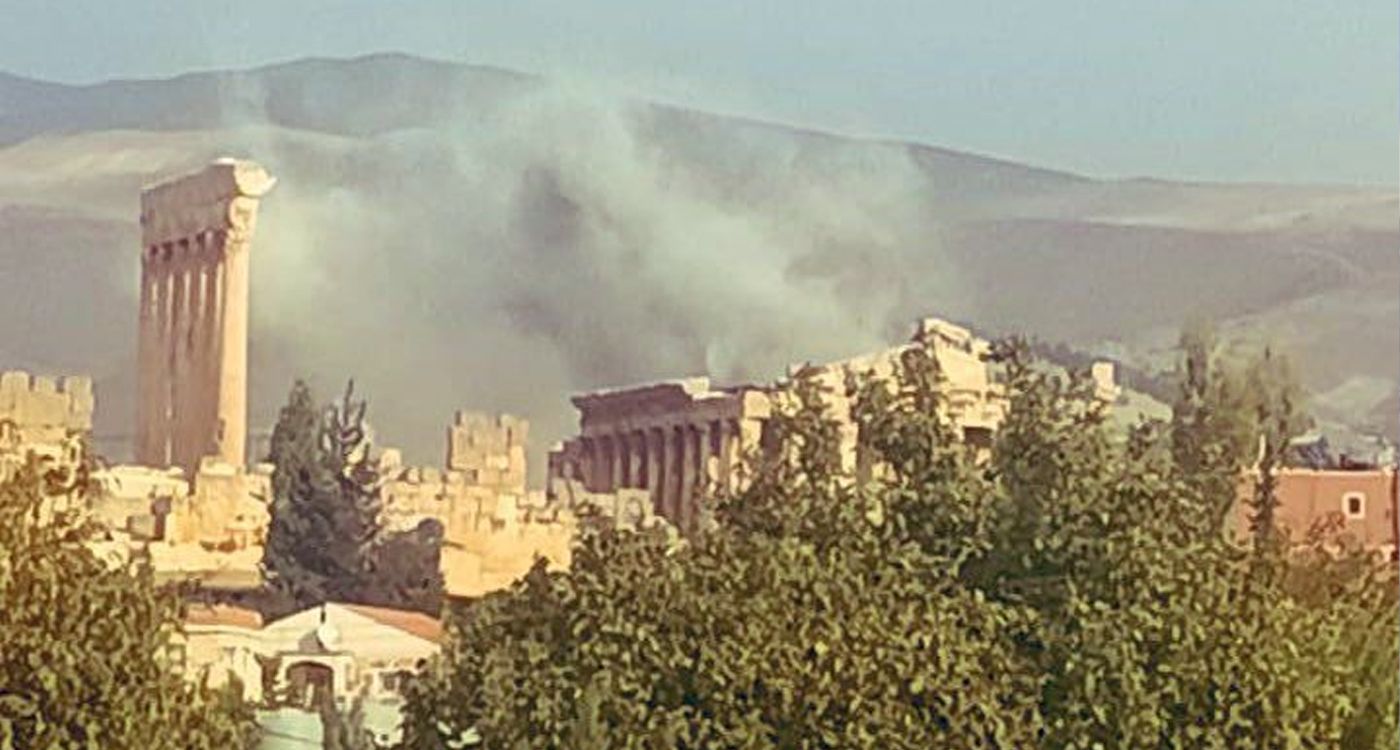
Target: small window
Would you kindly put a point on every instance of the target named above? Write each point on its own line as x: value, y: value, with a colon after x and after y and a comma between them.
x: 1354, y: 505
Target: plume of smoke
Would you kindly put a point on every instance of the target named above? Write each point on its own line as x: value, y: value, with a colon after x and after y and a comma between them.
x: 560, y: 240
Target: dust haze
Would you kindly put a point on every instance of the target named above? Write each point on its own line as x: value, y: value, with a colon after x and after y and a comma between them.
x: 544, y: 245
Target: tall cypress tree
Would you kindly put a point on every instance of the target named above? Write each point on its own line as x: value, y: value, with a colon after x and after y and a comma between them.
x: 303, y: 493
x: 325, y: 501
x: 346, y: 453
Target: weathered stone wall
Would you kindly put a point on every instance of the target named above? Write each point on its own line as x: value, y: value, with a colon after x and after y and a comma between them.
x: 493, y: 528
x: 39, y: 410
x: 43, y: 416
x: 489, y: 450
x: 137, y: 499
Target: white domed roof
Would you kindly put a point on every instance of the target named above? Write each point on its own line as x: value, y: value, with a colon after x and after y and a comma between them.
x: 328, y: 636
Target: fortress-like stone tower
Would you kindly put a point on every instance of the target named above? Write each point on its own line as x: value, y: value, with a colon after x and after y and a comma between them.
x: 196, y: 233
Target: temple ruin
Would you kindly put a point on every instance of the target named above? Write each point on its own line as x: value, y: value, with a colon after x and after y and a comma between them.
x: 662, y: 438
x: 677, y: 439
x: 197, y: 233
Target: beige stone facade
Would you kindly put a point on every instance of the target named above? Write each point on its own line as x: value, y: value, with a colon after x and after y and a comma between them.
x: 493, y: 528
x: 197, y: 234
x: 44, y: 416
x: 488, y: 450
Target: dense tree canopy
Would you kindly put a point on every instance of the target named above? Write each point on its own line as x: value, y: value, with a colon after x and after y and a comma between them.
x: 1075, y: 589
x: 84, y: 642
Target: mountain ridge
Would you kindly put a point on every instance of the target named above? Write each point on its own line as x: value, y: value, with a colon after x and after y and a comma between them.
x: 443, y: 211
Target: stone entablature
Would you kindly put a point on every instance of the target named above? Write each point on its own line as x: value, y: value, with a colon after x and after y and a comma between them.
x: 193, y: 325
x: 670, y: 439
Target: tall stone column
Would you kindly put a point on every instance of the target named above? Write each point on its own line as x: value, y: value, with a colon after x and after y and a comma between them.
x: 688, y: 461
x: 656, y: 468
x: 728, y: 452
x: 145, y: 374
x: 623, y: 471
x: 195, y: 442
x: 677, y: 474
x: 195, y: 363
x: 588, y: 463
x: 231, y: 423
x: 637, y: 455
x: 700, y: 459
x: 159, y: 362
x: 749, y: 439
x: 178, y: 356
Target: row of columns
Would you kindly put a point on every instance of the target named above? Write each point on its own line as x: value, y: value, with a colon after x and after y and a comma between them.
x: 193, y: 351
x: 675, y: 463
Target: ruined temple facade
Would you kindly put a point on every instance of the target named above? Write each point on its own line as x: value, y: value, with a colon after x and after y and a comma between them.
x: 669, y: 439
x: 196, y: 236
x: 676, y: 439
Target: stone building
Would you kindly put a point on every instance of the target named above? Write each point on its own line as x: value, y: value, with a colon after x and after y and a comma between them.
x: 674, y: 438
x: 492, y: 526
x: 44, y: 416
x: 196, y: 236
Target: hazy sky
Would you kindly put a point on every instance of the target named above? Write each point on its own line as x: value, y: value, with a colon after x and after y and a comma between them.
x: 1289, y: 90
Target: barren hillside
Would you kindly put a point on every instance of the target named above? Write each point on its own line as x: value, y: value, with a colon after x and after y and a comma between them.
x: 456, y: 236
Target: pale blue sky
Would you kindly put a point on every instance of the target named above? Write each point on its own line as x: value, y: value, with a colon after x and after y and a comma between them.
x: 1279, y: 90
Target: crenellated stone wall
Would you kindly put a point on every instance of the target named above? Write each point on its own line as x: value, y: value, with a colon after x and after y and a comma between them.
x: 493, y: 528
x: 44, y: 416
x: 39, y: 409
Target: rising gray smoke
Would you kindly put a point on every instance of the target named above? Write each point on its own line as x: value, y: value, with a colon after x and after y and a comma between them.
x: 558, y: 241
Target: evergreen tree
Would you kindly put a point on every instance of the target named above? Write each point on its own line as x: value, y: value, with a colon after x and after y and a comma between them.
x: 85, y: 644
x: 1213, y: 434
x: 300, y: 559
x: 346, y: 450
x: 1278, y: 419
x: 325, y: 540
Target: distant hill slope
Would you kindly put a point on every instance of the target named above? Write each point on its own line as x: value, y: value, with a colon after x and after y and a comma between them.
x: 459, y: 236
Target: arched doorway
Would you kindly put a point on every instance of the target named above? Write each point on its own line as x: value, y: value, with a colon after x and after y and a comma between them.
x: 310, y: 685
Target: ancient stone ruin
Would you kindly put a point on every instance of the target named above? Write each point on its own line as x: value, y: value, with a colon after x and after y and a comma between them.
x: 677, y: 438
x: 196, y: 234
x: 42, y: 415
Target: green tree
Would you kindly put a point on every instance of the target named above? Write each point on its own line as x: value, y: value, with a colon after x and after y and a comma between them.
x: 303, y: 557
x: 354, y: 516
x: 1072, y: 590
x: 325, y: 539
x: 85, y: 642
x: 805, y: 617
x: 1213, y: 428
